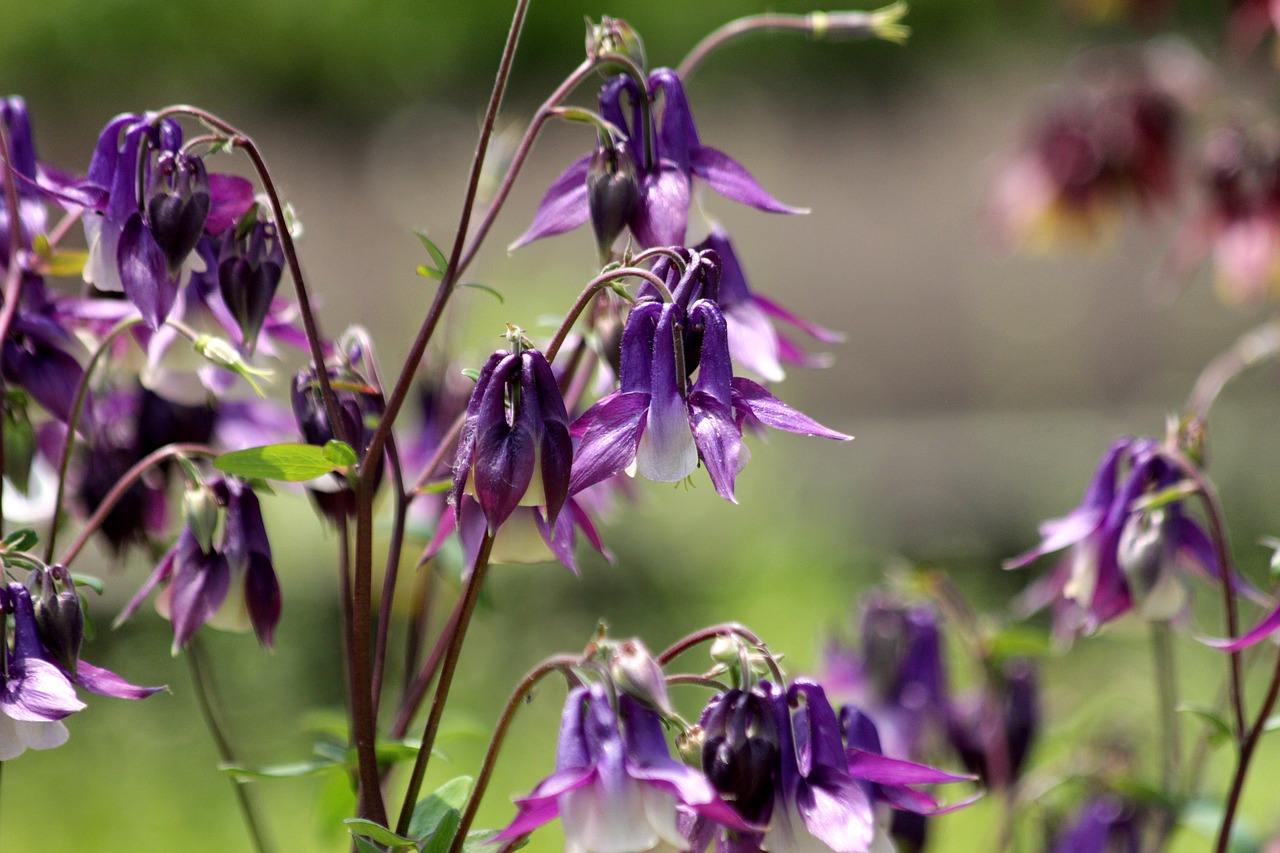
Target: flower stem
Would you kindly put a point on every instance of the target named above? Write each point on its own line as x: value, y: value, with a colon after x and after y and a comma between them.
x: 1162, y: 649
x: 1247, y: 748
x: 554, y: 664
x: 470, y: 595
x: 588, y: 293
x: 714, y: 632
x: 73, y: 420
x: 202, y: 680
x: 122, y: 485
x: 1253, y: 347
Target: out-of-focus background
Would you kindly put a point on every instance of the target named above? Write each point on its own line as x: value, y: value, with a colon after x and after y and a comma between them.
x: 981, y: 385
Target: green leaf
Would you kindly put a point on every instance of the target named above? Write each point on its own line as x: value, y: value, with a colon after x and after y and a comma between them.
x: 1171, y: 494
x: 340, y: 454
x: 436, y: 488
x: 362, y: 828
x: 280, y: 771
x: 1219, y: 729
x: 432, y: 808
x: 1019, y: 641
x: 487, y: 289
x: 292, y: 463
x: 430, y: 272
x: 90, y: 581
x: 471, y: 373
x: 481, y: 841
x: 442, y: 263
x: 442, y: 838
x: 21, y: 540
x: 365, y: 846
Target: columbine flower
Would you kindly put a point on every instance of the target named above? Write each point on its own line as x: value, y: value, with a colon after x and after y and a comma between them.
x: 36, y: 685
x: 662, y: 424
x: 1103, y: 825
x: 664, y: 168
x: 616, y: 788
x: 1119, y: 556
x: 993, y: 731
x: 154, y: 200
x: 514, y: 449
x: 230, y: 585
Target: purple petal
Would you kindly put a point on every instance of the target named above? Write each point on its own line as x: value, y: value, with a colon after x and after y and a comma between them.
x: 504, y: 456
x: 467, y: 437
x: 262, y: 597
x: 559, y: 540
x: 893, y: 771
x: 1060, y: 533
x: 1269, y: 625
x: 677, y: 134
x: 144, y: 272
x: 556, y: 450
x: 777, y: 312
x: 610, y: 442
x: 837, y: 811
x: 104, y: 682
x: 753, y: 342
x: 162, y: 572
x: 50, y: 375
x: 230, y: 197
x: 563, y: 208
x: 728, y: 177
x: 663, y: 212
x: 771, y: 411
x: 199, y: 586
x: 718, y: 439
x: 588, y: 528
x: 35, y: 690
x: 666, y: 453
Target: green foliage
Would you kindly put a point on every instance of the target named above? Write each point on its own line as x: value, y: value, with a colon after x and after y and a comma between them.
x: 291, y: 463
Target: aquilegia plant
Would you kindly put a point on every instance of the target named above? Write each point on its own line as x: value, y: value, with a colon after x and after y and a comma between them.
x: 140, y: 411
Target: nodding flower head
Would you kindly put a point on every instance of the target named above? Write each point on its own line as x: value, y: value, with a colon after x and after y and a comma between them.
x: 250, y: 263
x: 665, y: 165
x: 152, y: 201
x: 514, y: 449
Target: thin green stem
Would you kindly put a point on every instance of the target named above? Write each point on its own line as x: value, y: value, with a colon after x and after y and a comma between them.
x: 202, y: 680
x: 589, y: 292
x: 470, y: 595
x: 559, y: 663
x: 1162, y: 649
x: 73, y: 421
x: 1254, y: 347
x: 715, y: 632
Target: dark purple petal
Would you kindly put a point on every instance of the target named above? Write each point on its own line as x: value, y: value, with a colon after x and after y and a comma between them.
x: 718, y: 439
x: 769, y: 410
x: 559, y: 539
x: 556, y: 451
x: 609, y: 444
x: 199, y: 586
x: 144, y: 272
x: 230, y: 198
x: 729, y: 178
x: 262, y: 597
x: 467, y: 436
x: 666, y: 453
x: 588, y: 528
x: 677, y: 134
x: 563, y: 208
x: 503, y: 465
x: 663, y: 212
x: 104, y: 682
x: 49, y: 374
x: 893, y: 771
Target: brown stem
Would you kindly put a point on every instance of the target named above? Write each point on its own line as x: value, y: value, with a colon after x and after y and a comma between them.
x: 588, y: 293
x: 1242, y: 763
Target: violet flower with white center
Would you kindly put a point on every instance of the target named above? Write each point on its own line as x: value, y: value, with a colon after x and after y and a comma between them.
x: 36, y: 689
x: 754, y: 341
x: 230, y: 585
x: 616, y: 788
x: 665, y: 166
x: 140, y: 245
x: 663, y: 425
x: 1118, y: 556
x: 514, y: 449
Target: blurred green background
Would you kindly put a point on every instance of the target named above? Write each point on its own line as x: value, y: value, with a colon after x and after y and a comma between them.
x: 981, y: 386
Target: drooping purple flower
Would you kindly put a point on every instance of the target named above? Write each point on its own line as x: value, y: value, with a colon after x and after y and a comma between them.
x: 36, y: 687
x: 32, y: 212
x: 662, y: 423
x: 616, y: 787
x: 1105, y: 824
x: 154, y: 200
x: 665, y: 166
x: 230, y: 585
x: 514, y: 449
x: 249, y: 270
x: 1120, y: 557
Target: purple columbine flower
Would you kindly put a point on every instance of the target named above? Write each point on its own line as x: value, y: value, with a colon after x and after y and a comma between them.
x: 662, y: 424
x: 616, y: 787
x: 229, y: 584
x: 514, y: 449
x: 665, y: 166
x: 1119, y: 556
x: 36, y: 686
x: 149, y: 201
x: 525, y: 537
x: 993, y: 730
x: 1105, y: 824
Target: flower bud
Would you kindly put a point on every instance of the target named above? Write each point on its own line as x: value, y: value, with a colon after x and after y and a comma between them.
x: 178, y: 210
x: 59, y: 618
x: 613, y: 191
x: 613, y: 35
x: 637, y: 674
x: 1148, y: 560
x: 249, y: 270
x: 740, y: 752
x: 200, y: 513
x: 223, y: 354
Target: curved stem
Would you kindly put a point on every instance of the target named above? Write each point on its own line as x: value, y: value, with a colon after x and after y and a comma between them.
x: 204, y: 690
x: 1218, y: 533
x: 315, y: 342
x: 470, y: 595
x: 727, y: 629
x: 1253, y: 347
x: 588, y: 293
x: 1242, y: 763
x: 882, y: 23
x: 558, y: 663
x: 122, y: 485
x: 77, y: 409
